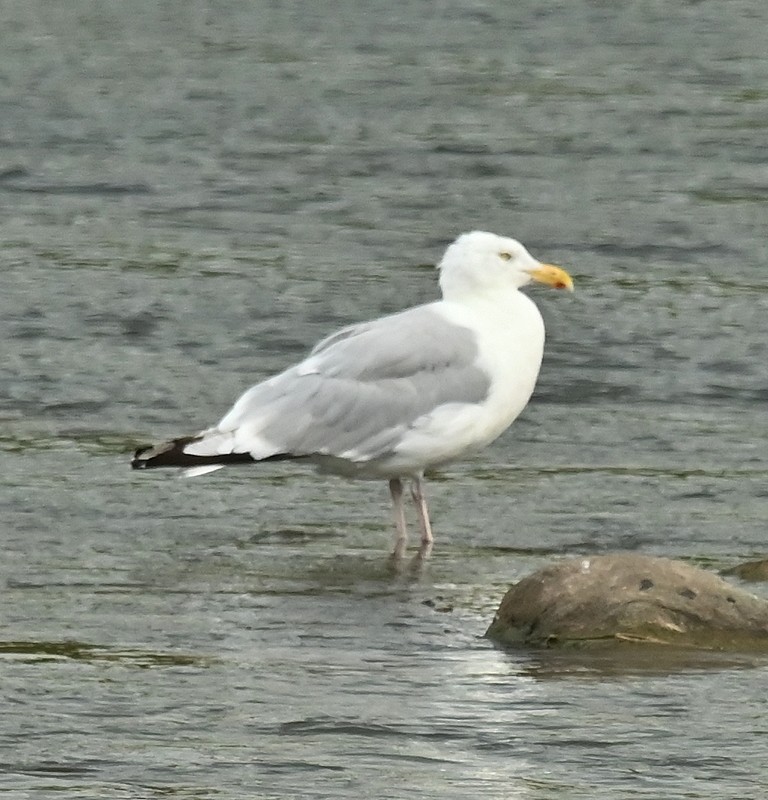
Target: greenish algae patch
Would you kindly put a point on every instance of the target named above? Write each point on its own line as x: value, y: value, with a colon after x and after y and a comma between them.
x: 81, y: 651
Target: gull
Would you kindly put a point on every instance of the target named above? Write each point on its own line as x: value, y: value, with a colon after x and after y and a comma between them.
x: 402, y: 394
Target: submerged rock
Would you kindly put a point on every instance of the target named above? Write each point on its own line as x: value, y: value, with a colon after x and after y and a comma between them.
x: 629, y: 597
x: 753, y: 571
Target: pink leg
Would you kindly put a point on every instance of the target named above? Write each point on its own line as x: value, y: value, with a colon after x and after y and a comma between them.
x: 422, y: 511
x: 401, y: 541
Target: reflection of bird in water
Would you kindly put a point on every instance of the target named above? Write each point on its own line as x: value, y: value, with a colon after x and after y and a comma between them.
x: 398, y: 395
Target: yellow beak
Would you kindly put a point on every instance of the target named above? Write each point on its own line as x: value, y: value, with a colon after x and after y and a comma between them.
x: 552, y: 276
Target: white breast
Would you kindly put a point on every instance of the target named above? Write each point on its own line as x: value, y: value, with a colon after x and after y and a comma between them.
x: 510, y: 337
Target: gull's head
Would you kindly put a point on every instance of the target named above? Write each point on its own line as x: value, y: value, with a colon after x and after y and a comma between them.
x: 484, y: 262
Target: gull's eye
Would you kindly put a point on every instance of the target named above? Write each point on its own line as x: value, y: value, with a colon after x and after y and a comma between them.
x: 505, y: 256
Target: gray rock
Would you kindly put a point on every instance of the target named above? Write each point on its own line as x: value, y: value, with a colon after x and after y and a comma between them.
x: 629, y: 597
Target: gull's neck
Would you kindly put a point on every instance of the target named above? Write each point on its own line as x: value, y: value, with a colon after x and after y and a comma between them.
x: 486, y: 297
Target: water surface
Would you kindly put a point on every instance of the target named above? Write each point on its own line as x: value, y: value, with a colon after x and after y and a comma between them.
x: 194, y: 193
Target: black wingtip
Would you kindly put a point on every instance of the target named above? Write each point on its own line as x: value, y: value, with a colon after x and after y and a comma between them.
x: 137, y: 462
x: 167, y: 454
x: 171, y: 454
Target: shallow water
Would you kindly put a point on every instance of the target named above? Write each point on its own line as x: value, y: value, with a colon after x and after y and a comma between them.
x: 194, y: 193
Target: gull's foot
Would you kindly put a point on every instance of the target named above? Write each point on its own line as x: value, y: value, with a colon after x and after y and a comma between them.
x: 418, y: 565
x: 425, y: 550
x: 396, y: 558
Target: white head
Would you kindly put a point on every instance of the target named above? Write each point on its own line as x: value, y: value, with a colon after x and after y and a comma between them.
x: 480, y: 262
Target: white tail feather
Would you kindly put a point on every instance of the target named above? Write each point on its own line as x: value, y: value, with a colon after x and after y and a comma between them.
x: 195, y: 472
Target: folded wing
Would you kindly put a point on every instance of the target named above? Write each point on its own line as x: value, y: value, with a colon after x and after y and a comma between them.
x: 354, y: 397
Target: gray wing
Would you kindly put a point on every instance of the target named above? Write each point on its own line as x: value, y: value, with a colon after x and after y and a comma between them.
x: 358, y: 391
